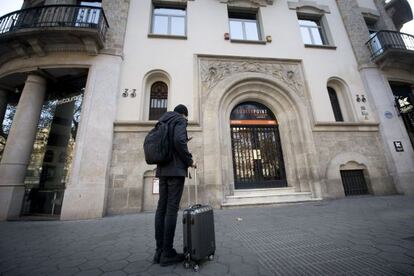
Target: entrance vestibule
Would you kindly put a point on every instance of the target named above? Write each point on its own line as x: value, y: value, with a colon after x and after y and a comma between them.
x: 256, y: 148
x: 38, y: 136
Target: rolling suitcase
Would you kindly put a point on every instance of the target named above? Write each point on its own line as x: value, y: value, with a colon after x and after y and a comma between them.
x: 198, y: 236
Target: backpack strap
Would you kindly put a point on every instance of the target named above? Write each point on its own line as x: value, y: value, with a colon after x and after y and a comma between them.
x: 171, y: 129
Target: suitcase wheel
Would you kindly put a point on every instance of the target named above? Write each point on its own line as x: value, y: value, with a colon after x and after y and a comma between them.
x: 211, y: 257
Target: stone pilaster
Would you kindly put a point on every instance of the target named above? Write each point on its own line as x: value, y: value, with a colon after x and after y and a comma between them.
x: 117, y: 15
x: 19, y: 146
x: 356, y: 28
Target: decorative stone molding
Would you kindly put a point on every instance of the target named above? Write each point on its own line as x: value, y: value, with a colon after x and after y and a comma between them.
x: 304, y: 6
x: 247, y: 3
x: 214, y: 70
x: 369, y: 13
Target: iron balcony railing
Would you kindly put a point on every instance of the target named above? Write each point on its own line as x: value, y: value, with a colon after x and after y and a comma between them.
x: 85, y: 17
x: 382, y: 41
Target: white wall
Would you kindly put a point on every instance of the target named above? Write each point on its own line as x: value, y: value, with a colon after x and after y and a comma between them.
x: 206, y: 24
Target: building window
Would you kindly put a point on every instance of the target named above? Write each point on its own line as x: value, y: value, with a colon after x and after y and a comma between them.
x: 312, y: 31
x: 372, y: 29
x: 169, y: 21
x: 158, y: 100
x: 244, y: 26
x: 335, y: 104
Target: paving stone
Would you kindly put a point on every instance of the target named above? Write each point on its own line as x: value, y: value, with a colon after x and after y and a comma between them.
x: 117, y: 256
x: 64, y: 263
x: 92, y: 264
x: 67, y: 271
x: 391, y: 248
x: 115, y: 273
x: 138, y: 266
x: 138, y: 257
x: 396, y: 258
x: 403, y: 269
x: 156, y: 269
x: 244, y: 269
x: 338, y: 236
x: 91, y: 272
x: 113, y: 266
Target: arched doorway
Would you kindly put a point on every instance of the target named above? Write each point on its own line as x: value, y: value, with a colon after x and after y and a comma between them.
x: 256, y: 148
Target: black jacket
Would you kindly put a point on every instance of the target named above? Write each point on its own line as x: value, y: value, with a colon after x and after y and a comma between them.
x: 182, y: 158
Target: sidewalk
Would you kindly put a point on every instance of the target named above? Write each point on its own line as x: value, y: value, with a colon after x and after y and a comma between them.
x: 351, y: 236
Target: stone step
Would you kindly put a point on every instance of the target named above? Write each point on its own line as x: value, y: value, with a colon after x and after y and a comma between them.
x: 272, y: 197
x: 286, y: 190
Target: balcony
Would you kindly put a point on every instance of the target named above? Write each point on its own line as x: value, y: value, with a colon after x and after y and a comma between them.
x: 39, y: 30
x: 392, y: 49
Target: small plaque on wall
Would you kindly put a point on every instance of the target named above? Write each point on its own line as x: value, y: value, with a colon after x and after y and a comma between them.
x: 398, y: 146
x: 156, y: 186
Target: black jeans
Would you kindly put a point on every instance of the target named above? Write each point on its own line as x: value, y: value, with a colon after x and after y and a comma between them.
x: 171, y: 190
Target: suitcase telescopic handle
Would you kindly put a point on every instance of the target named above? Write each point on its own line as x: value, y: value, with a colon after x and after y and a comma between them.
x: 195, y: 187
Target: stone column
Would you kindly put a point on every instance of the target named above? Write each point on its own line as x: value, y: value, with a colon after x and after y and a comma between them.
x: 19, y: 146
x: 86, y: 191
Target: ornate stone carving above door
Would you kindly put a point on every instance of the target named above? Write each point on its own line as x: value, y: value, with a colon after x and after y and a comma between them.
x: 215, y: 69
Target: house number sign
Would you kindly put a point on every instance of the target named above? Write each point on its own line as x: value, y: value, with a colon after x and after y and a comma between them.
x: 129, y: 92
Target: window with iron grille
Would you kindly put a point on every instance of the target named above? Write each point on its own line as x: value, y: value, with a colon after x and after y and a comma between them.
x: 158, y: 100
x: 312, y: 31
x: 335, y: 105
x: 354, y: 182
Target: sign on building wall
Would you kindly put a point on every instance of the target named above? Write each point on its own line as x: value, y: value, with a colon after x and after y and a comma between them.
x: 252, y: 114
x: 398, y: 146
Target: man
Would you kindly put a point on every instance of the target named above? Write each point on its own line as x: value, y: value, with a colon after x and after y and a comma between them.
x: 171, y: 176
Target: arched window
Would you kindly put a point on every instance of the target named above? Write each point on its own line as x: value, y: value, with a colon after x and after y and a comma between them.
x: 335, y: 104
x: 158, y: 100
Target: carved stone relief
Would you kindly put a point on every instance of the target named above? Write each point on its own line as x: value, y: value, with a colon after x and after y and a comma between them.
x: 214, y: 70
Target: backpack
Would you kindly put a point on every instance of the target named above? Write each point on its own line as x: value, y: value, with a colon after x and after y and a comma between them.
x: 157, y: 145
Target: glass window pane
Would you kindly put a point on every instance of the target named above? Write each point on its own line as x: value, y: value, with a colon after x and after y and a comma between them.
x: 310, y: 23
x: 160, y: 25
x: 251, y: 31
x: 177, y: 25
x: 167, y: 11
x: 305, y: 35
x: 317, y: 38
x: 236, y: 29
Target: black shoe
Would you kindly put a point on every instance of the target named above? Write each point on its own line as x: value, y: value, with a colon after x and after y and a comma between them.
x: 157, y: 256
x: 171, y: 258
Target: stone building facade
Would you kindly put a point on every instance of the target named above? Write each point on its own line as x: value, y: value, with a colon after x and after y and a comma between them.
x: 50, y: 51
x: 286, y: 101
x: 213, y: 74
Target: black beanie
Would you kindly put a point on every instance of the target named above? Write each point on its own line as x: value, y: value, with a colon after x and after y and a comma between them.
x: 182, y: 109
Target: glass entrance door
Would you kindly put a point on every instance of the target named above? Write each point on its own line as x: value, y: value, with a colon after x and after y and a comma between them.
x: 257, y: 152
x: 48, y: 171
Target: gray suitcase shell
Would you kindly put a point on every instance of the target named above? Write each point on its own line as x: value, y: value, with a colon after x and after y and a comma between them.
x: 199, y: 236
x: 198, y: 232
